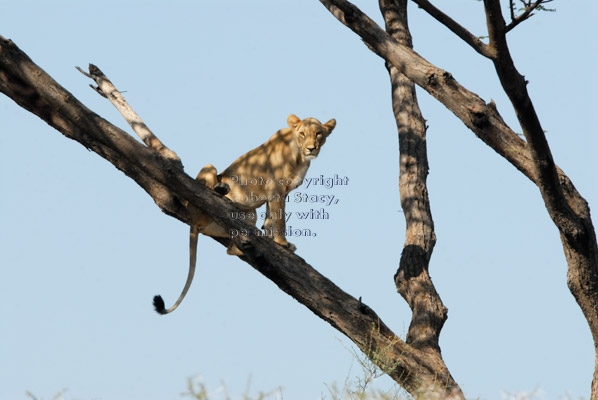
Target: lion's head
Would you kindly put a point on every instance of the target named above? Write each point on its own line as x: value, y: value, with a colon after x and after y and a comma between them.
x: 310, y: 134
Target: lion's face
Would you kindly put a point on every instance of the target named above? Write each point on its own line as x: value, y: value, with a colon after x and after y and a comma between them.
x: 310, y: 134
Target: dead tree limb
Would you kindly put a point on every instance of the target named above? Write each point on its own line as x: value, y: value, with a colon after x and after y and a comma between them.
x: 107, y: 89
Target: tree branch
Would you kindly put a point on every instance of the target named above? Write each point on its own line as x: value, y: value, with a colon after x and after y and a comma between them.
x: 31, y: 88
x: 515, y: 86
x: 483, y: 119
x: 527, y: 13
x: 106, y: 89
x: 456, y: 28
x: 567, y: 209
x: 512, y: 9
x: 412, y: 278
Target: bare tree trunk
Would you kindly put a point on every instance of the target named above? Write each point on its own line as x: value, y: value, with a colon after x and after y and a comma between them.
x: 412, y: 278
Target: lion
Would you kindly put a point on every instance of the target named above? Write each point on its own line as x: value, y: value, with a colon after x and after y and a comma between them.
x: 266, y: 174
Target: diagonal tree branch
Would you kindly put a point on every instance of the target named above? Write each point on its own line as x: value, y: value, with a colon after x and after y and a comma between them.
x: 515, y: 86
x: 31, y: 88
x: 570, y: 213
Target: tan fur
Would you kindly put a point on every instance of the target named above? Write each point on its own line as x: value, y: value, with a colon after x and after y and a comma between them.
x: 266, y: 174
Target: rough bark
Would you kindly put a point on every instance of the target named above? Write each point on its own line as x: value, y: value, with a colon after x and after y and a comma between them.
x: 31, y: 88
x: 567, y: 208
x: 412, y: 279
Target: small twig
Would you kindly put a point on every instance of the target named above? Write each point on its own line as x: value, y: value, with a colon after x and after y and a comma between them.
x: 529, y: 7
x: 106, y: 89
x: 512, y: 9
x: 456, y: 28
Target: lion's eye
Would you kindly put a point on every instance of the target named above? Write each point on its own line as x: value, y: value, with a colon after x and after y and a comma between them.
x: 318, y: 133
x: 302, y: 134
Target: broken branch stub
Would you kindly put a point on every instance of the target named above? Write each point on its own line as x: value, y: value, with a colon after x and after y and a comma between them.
x: 107, y: 89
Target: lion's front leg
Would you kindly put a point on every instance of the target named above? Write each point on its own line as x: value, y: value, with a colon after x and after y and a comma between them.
x: 275, y: 223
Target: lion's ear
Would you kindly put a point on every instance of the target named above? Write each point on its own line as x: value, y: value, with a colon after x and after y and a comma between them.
x: 330, y: 125
x: 293, y: 121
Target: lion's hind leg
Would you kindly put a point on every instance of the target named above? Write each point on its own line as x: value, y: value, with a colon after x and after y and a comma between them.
x: 208, y: 176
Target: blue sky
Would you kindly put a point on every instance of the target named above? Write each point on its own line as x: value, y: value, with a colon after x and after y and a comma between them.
x: 83, y: 249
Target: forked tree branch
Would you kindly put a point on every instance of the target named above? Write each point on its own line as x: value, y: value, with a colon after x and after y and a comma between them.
x: 471, y: 39
x: 528, y: 10
x: 567, y: 208
x: 481, y: 117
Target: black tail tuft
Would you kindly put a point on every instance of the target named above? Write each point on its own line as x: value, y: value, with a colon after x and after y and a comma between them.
x: 159, y: 305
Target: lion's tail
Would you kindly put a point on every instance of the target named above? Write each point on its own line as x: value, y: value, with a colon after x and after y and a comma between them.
x: 158, y: 301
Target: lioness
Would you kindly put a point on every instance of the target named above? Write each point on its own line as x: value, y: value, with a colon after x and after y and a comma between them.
x: 266, y: 174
